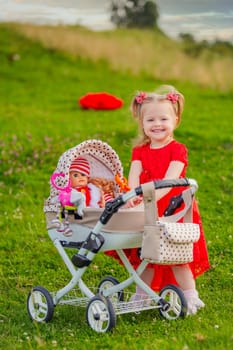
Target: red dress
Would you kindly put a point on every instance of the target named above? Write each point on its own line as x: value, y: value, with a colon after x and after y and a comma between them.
x: 155, y: 162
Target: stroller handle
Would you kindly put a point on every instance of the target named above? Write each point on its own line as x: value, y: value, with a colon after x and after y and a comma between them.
x: 113, y: 206
x: 159, y: 184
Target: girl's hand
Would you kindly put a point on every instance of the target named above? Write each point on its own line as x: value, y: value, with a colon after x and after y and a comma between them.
x: 131, y: 203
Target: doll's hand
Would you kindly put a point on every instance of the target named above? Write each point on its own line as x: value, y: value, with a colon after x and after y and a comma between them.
x: 79, y: 200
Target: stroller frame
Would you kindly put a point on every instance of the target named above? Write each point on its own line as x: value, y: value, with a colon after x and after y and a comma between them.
x: 103, y: 306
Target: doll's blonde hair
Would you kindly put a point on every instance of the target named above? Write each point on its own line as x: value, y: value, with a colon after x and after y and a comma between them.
x: 107, y: 187
x: 163, y: 93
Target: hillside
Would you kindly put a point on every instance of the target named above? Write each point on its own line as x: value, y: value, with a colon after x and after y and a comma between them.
x: 40, y: 119
x: 136, y: 51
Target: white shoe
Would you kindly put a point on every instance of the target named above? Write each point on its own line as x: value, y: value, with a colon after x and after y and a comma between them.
x: 194, y: 303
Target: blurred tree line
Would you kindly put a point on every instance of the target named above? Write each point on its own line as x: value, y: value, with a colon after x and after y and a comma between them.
x: 144, y: 14
x: 196, y: 48
x: 134, y: 13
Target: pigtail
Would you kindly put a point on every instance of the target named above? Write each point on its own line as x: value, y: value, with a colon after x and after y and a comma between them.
x: 177, y: 100
x: 169, y: 92
x: 136, y: 104
x: 180, y: 106
x: 136, y: 108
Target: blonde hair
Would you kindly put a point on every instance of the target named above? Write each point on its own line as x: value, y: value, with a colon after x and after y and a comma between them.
x: 107, y: 186
x: 163, y: 93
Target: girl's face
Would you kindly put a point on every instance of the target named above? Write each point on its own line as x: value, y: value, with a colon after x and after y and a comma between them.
x: 159, y: 122
x: 78, y: 179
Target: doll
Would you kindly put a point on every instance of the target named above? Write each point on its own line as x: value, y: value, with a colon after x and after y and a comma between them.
x: 82, y: 191
x: 97, y: 190
x: 79, y: 175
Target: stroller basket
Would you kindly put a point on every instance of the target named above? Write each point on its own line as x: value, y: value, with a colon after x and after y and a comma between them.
x: 100, y: 230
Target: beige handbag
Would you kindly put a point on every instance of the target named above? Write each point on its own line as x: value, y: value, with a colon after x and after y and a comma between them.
x: 168, y: 242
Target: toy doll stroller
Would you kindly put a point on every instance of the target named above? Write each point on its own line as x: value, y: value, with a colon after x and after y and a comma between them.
x: 104, y: 229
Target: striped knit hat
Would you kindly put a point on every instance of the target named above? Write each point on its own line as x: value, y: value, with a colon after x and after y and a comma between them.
x: 80, y: 165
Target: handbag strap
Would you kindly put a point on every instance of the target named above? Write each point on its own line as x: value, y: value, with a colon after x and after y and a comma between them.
x: 186, y: 212
x: 151, y: 210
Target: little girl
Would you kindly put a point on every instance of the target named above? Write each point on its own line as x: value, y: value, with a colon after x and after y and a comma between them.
x: 159, y: 156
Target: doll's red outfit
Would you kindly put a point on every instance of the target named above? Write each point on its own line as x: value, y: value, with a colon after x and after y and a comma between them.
x: 155, y: 162
x: 92, y: 195
x: 86, y: 191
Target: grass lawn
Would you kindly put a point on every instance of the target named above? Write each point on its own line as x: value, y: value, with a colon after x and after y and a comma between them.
x: 40, y: 119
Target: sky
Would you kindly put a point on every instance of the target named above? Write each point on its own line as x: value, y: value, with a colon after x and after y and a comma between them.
x: 204, y: 19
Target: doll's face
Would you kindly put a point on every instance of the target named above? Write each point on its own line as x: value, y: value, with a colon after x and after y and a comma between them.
x: 78, y: 179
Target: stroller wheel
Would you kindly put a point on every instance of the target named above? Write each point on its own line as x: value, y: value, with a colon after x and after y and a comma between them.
x: 173, y: 303
x: 100, y: 314
x: 40, y: 304
x: 108, y: 282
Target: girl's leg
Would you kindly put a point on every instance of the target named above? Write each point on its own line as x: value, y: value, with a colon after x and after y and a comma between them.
x: 184, y: 277
x: 147, y: 277
x: 186, y: 281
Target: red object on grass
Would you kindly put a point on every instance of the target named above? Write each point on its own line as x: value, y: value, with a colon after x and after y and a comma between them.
x: 100, y: 100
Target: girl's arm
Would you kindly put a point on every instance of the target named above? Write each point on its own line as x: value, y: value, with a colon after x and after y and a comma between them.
x: 134, y: 173
x: 173, y: 172
x: 133, y: 181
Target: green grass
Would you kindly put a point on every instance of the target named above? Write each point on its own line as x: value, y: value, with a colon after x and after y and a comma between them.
x: 40, y: 119
x: 137, y: 51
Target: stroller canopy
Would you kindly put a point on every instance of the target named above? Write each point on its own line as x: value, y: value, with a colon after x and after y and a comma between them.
x: 104, y: 162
